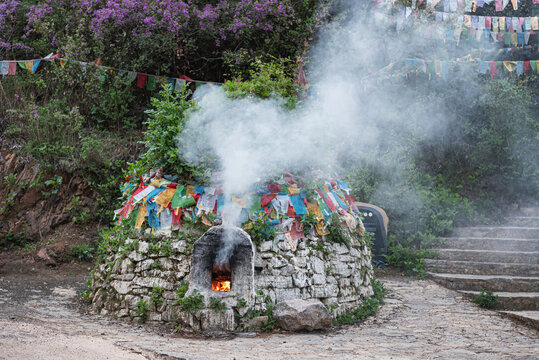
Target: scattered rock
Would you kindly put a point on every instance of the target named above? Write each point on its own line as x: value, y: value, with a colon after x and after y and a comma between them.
x: 256, y: 323
x: 43, y: 255
x: 297, y: 314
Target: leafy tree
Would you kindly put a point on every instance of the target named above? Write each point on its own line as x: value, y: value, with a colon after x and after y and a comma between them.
x: 164, y: 124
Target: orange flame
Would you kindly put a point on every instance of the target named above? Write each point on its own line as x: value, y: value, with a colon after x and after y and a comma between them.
x: 217, y: 285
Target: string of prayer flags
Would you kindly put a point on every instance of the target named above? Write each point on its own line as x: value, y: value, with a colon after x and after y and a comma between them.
x: 144, y: 81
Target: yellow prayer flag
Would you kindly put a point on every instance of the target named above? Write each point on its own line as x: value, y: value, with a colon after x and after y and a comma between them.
x: 293, y: 190
x: 314, y: 209
x: 29, y: 65
x: 321, y: 229
x: 510, y: 65
x: 240, y: 201
x: 164, y: 198
x: 467, y: 21
x: 140, y: 218
x: 514, y: 38
x: 515, y: 4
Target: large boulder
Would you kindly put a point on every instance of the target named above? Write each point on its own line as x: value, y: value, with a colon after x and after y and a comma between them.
x: 297, y: 314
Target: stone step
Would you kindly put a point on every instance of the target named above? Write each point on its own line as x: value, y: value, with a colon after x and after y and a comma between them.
x: 481, y: 268
x: 503, y: 283
x: 529, y: 318
x: 479, y: 243
x: 523, y: 257
x: 512, y: 232
x: 528, y: 221
x: 530, y: 211
x: 512, y: 300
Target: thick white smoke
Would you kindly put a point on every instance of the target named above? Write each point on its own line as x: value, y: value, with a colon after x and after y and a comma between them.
x: 254, y: 139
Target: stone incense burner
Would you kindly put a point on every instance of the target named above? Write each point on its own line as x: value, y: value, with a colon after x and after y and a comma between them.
x: 220, y: 280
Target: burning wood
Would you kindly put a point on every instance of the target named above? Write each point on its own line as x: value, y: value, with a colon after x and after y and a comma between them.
x: 219, y: 284
x: 221, y: 277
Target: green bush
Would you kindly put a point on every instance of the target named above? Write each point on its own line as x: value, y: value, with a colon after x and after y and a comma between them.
x: 409, y: 260
x: 337, y: 232
x: 379, y: 290
x: 486, y: 300
x: 218, y: 305
x: 51, y: 133
x: 192, y: 303
x: 368, y: 307
x: 83, y: 252
x: 164, y: 123
x: 259, y: 231
x: 267, y: 79
x: 182, y: 289
x: 157, y: 296
x: 142, y: 309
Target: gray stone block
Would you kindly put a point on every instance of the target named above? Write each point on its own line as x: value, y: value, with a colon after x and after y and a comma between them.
x: 121, y: 287
x: 266, y: 246
x: 296, y: 314
x: 135, y: 256
x: 317, y: 265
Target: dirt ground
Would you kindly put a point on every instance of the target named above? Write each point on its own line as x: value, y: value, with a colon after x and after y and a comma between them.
x: 42, y: 317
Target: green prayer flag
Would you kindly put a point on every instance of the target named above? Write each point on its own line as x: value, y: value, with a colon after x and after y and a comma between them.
x: 253, y: 203
x: 133, y: 217
x: 174, y: 203
x: 507, y: 38
x: 151, y: 84
x: 186, y: 201
x: 432, y: 70
x: 323, y: 206
x: 533, y: 64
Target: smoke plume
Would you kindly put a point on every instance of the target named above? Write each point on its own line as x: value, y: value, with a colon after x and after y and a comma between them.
x: 347, y: 117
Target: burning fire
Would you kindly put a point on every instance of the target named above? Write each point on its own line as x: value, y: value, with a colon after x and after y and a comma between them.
x: 220, y: 285
x: 221, y: 277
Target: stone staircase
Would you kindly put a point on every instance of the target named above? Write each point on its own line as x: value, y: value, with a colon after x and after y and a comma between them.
x: 501, y: 259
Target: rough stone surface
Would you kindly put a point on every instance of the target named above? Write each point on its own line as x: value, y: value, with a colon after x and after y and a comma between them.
x: 297, y: 314
x: 339, y: 276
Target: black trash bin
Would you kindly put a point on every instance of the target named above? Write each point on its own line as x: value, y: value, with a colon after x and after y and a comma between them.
x: 375, y: 222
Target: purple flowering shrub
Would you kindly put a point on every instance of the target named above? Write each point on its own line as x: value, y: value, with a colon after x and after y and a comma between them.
x: 159, y: 36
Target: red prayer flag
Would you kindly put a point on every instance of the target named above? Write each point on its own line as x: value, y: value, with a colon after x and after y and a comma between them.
x: 492, y: 68
x: 12, y: 69
x: 266, y: 199
x: 186, y: 78
x: 526, y: 66
x: 141, y: 80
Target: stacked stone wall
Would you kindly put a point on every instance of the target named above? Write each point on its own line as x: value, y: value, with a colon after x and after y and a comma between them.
x: 336, y: 274
x: 150, y: 272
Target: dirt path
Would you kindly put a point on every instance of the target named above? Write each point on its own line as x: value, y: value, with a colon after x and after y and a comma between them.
x: 40, y: 319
